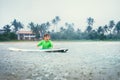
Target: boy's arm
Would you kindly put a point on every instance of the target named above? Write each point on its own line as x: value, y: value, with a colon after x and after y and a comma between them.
x: 39, y: 43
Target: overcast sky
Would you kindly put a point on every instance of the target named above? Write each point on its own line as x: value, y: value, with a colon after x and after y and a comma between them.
x: 72, y: 11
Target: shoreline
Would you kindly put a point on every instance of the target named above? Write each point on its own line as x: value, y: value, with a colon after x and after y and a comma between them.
x: 65, y: 41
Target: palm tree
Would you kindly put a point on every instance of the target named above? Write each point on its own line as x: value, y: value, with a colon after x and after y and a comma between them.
x: 55, y: 22
x: 70, y: 27
x: 78, y: 31
x: 117, y: 27
x: 89, y: 29
x: 62, y: 29
x: 111, y: 25
x: 100, y: 30
x: 32, y: 26
x: 34, y: 29
x: 7, y: 28
x: 42, y: 29
x: 48, y: 25
x: 57, y: 18
x: 90, y: 22
x: 39, y: 30
x: 17, y: 25
x: 105, y: 29
x: 69, y: 32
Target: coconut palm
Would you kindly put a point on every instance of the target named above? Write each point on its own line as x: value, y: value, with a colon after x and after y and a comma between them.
x: 100, y: 30
x: 17, y: 25
x: 105, y: 29
x: 117, y: 27
x: 55, y: 22
x: 32, y: 26
x: 7, y: 28
x: 111, y: 25
x: 89, y: 29
x: 90, y: 22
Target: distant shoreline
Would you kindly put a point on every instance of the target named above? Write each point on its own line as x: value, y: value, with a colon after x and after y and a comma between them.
x: 65, y: 41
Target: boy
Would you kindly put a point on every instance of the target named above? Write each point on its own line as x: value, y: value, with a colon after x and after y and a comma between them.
x: 46, y: 43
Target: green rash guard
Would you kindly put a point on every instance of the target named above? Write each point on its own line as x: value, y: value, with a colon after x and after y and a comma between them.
x: 45, y: 44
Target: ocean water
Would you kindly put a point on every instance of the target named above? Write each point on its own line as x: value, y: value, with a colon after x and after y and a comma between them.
x: 83, y: 61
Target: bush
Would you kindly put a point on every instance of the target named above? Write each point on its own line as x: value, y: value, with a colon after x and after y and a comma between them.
x: 8, y: 36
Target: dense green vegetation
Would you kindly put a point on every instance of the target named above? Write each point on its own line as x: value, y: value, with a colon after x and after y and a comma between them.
x: 66, y: 31
x: 9, y: 32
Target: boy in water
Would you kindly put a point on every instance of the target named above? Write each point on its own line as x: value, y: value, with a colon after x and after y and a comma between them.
x: 46, y: 43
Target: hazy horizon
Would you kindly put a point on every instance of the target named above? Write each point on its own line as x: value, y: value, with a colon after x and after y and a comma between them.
x: 71, y: 11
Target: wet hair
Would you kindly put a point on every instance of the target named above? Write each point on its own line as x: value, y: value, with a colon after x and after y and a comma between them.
x: 45, y: 35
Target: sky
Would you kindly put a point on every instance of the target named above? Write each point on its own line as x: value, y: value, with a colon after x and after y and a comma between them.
x: 71, y: 11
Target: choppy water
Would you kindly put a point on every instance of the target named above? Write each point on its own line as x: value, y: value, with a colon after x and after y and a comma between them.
x: 83, y: 61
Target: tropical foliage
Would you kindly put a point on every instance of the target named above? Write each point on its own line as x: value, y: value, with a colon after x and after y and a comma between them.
x: 66, y: 31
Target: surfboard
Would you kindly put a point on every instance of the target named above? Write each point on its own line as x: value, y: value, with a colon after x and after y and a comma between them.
x: 42, y: 50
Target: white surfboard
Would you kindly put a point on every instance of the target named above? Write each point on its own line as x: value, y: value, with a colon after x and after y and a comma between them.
x: 36, y: 50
